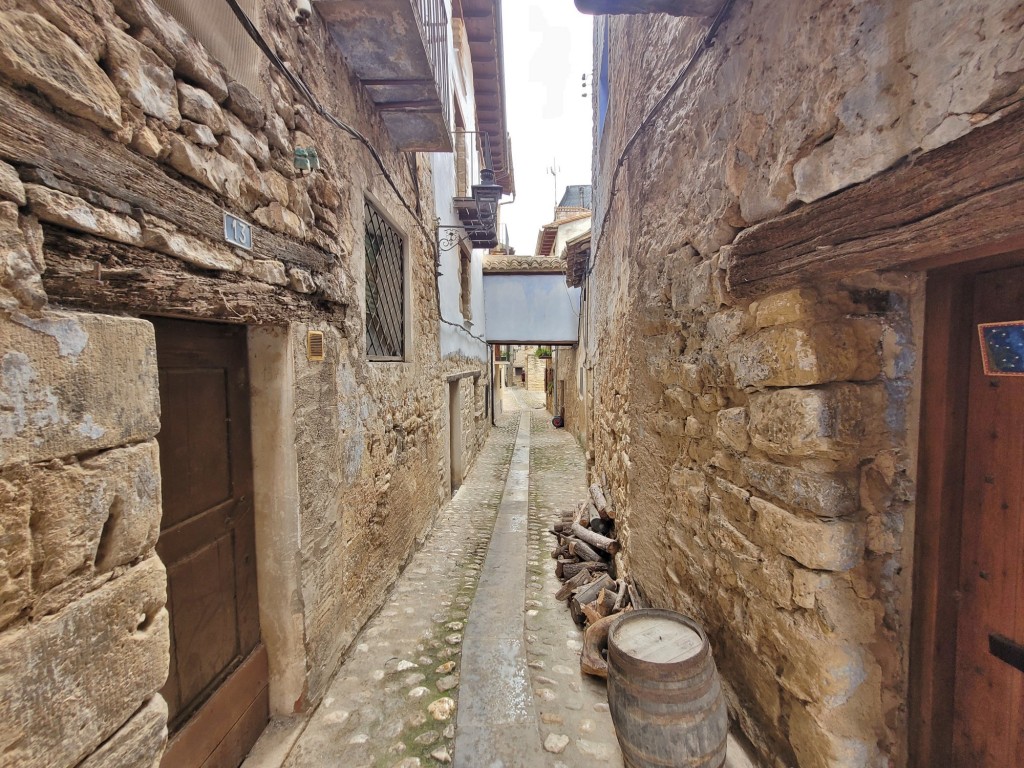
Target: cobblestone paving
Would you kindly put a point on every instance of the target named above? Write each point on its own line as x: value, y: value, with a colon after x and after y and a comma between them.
x: 575, y: 725
x: 393, y: 703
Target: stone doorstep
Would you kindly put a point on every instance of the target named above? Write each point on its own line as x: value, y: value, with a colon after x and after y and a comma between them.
x: 277, y: 740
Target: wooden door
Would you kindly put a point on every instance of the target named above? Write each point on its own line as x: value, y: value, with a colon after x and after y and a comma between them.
x: 217, y: 687
x: 989, y: 690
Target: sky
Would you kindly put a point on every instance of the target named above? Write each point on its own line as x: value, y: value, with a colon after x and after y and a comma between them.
x: 548, y: 46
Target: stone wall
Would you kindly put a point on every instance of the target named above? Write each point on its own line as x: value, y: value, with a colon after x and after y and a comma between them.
x: 536, y: 369
x: 572, y: 404
x: 119, y: 149
x: 763, y: 452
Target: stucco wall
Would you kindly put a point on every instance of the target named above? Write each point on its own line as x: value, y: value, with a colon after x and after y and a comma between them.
x: 121, y: 226
x: 763, y: 453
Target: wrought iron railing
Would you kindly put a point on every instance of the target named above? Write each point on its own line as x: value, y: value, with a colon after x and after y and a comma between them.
x: 385, y: 288
x: 433, y: 19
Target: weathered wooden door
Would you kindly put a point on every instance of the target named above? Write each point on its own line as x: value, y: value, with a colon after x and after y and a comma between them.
x: 217, y: 687
x: 989, y: 697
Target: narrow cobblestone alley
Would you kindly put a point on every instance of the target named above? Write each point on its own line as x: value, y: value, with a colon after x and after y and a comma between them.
x: 395, y: 701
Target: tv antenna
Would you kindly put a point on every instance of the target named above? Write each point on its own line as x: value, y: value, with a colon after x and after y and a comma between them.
x: 554, y: 169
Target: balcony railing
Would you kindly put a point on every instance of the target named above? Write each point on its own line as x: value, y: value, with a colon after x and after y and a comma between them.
x: 477, y: 195
x: 399, y: 51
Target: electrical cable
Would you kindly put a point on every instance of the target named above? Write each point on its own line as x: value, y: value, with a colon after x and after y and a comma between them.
x: 300, y: 87
x: 705, y: 43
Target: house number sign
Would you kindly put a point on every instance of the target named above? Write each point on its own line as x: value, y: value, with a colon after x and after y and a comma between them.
x: 237, y: 232
x: 1002, y: 348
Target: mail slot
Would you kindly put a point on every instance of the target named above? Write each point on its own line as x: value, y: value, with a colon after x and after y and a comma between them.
x: 1004, y: 649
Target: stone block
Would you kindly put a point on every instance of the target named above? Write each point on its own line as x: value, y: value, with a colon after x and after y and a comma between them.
x: 71, y: 680
x: 189, y: 57
x: 806, y: 585
x: 834, y: 545
x: 244, y: 103
x: 138, y: 743
x: 691, y: 490
x: 819, y: 746
x: 74, y: 213
x: 255, y: 145
x: 730, y: 502
x: 300, y: 280
x: 11, y: 187
x: 35, y: 53
x: 266, y: 271
x: 731, y: 428
x: 75, y: 383
x: 798, y: 305
x: 142, y: 78
x: 100, y: 513
x: 829, y: 422
x: 813, y: 666
x: 275, y: 216
x: 824, y: 494
x: 807, y: 354
x: 196, y: 104
x: 212, y: 170
x: 21, y: 262
x: 15, y: 551
x: 192, y: 250
x: 199, y: 134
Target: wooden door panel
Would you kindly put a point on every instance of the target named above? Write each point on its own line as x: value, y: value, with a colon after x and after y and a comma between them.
x: 207, y: 542
x: 989, y: 694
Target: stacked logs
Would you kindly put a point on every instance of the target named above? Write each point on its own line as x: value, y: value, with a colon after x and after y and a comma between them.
x: 585, y: 562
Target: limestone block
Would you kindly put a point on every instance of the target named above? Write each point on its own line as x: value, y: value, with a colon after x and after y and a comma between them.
x: 266, y: 271
x: 806, y: 585
x: 190, y: 58
x: 75, y: 383
x: 194, y: 251
x: 244, y: 103
x: 803, y: 355
x: 72, y: 679
x: 792, y: 306
x: 819, y: 746
x: 196, y: 104
x: 835, y: 545
x: 275, y: 216
x: 277, y: 134
x: 147, y: 143
x: 731, y: 503
x: 138, y: 743
x: 199, y: 134
x: 100, y: 513
x: 300, y: 280
x: 21, y: 264
x: 11, y: 187
x: 826, y: 495
x: 255, y: 145
x: 276, y: 186
x: 142, y: 78
x: 35, y: 53
x: 76, y: 19
x: 76, y: 214
x: 731, y: 428
x: 210, y: 169
x: 813, y: 666
x: 691, y: 489
x: 830, y: 421
x: 15, y: 551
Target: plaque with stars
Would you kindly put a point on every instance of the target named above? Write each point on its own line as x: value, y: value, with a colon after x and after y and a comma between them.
x: 1002, y: 348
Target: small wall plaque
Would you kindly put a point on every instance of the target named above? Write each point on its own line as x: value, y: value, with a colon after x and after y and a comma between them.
x: 237, y: 232
x: 1002, y: 348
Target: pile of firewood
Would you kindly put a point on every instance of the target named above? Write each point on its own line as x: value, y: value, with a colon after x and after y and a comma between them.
x: 585, y: 562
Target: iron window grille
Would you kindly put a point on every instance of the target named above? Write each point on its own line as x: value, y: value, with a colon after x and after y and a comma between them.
x: 385, y: 288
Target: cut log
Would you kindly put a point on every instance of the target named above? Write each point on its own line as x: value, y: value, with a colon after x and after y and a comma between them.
x: 581, y: 578
x: 601, y: 607
x: 597, y: 494
x: 634, y: 597
x: 595, y: 518
x: 589, y: 592
x: 622, y: 597
x: 595, y: 643
x: 583, y: 551
x: 611, y: 546
x: 570, y: 569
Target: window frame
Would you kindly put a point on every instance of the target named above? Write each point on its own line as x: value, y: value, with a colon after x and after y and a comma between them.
x: 371, y: 202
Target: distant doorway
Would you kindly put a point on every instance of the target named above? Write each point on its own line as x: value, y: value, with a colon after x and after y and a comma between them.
x: 455, y: 435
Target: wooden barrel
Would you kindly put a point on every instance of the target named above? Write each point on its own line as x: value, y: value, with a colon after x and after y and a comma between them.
x: 664, y: 692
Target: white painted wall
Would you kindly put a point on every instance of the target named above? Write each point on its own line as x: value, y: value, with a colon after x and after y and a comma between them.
x: 531, y: 308
x: 461, y: 337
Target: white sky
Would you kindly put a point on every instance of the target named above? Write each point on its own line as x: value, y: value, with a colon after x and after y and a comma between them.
x: 548, y: 47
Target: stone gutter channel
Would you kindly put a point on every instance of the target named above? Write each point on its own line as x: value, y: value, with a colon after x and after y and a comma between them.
x: 497, y: 722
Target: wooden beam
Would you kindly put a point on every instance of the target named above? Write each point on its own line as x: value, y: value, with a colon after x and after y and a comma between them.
x: 33, y: 136
x: 86, y: 272
x: 963, y: 195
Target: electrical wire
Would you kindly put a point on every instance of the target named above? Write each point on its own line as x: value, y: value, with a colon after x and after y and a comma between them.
x: 705, y: 43
x: 300, y: 87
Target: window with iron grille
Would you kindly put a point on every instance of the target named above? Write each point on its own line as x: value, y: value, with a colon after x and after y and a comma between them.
x: 385, y: 288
